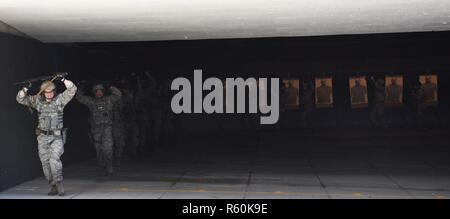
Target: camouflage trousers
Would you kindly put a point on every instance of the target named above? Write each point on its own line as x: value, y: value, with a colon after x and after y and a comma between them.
x: 149, y: 124
x: 103, y: 142
x: 50, y: 148
x: 119, y: 139
x: 132, y: 136
x: 377, y: 116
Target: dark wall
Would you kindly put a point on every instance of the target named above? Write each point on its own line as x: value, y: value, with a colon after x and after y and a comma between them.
x: 21, y: 59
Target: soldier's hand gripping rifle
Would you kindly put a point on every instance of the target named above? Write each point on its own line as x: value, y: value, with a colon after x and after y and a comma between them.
x: 52, y: 78
x: 42, y: 78
x: 28, y: 83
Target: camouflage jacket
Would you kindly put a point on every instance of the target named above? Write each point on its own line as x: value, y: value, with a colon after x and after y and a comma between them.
x: 101, y: 109
x: 50, y: 113
x: 128, y: 105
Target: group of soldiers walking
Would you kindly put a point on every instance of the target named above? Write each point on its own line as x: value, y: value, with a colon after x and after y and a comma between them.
x: 123, y: 117
x: 118, y: 118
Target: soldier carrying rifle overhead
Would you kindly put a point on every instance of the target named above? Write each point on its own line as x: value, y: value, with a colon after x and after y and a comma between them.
x: 50, y: 130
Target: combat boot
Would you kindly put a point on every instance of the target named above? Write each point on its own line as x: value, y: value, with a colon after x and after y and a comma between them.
x: 60, y: 188
x: 109, y: 170
x: 53, y: 190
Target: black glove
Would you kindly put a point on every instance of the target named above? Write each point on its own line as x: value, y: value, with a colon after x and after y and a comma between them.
x: 29, y: 85
x: 61, y: 75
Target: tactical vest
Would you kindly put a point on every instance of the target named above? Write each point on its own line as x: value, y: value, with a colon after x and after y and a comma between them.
x: 101, y: 112
x: 129, y: 109
x: 118, y: 112
x: 50, y: 114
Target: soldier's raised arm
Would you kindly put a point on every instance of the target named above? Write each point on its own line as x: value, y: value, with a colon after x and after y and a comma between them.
x: 25, y: 99
x: 116, y: 94
x: 139, y: 91
x: 83, y: 99
x: 70, y: 91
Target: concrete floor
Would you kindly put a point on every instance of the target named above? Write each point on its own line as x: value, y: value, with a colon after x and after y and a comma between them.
x: 272, y: 165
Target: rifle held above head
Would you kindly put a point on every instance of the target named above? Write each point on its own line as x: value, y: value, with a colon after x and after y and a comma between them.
x: 42, y: 78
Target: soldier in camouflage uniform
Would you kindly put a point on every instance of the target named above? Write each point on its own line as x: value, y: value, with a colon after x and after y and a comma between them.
x: 418, y: 98
x: 377, y: 116
x: 144, y: 103
x: 118, y: 131
x: 101, y: 120
x: 308, y: 103
x: 131, y: 125
x: 50, y: 134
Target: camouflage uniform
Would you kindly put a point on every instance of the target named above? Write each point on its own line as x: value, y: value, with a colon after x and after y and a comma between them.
x: 143, y: 119
x: 145, y: 101
x: 101, y: 120
x: 131, y: 127
x: 308, y: 103
x: 418, y: 96
x: 49, y: 129
x: 118, y: 131
x: 377, y: 116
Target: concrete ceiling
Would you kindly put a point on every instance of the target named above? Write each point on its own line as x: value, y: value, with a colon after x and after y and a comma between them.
x: 141, y: 20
